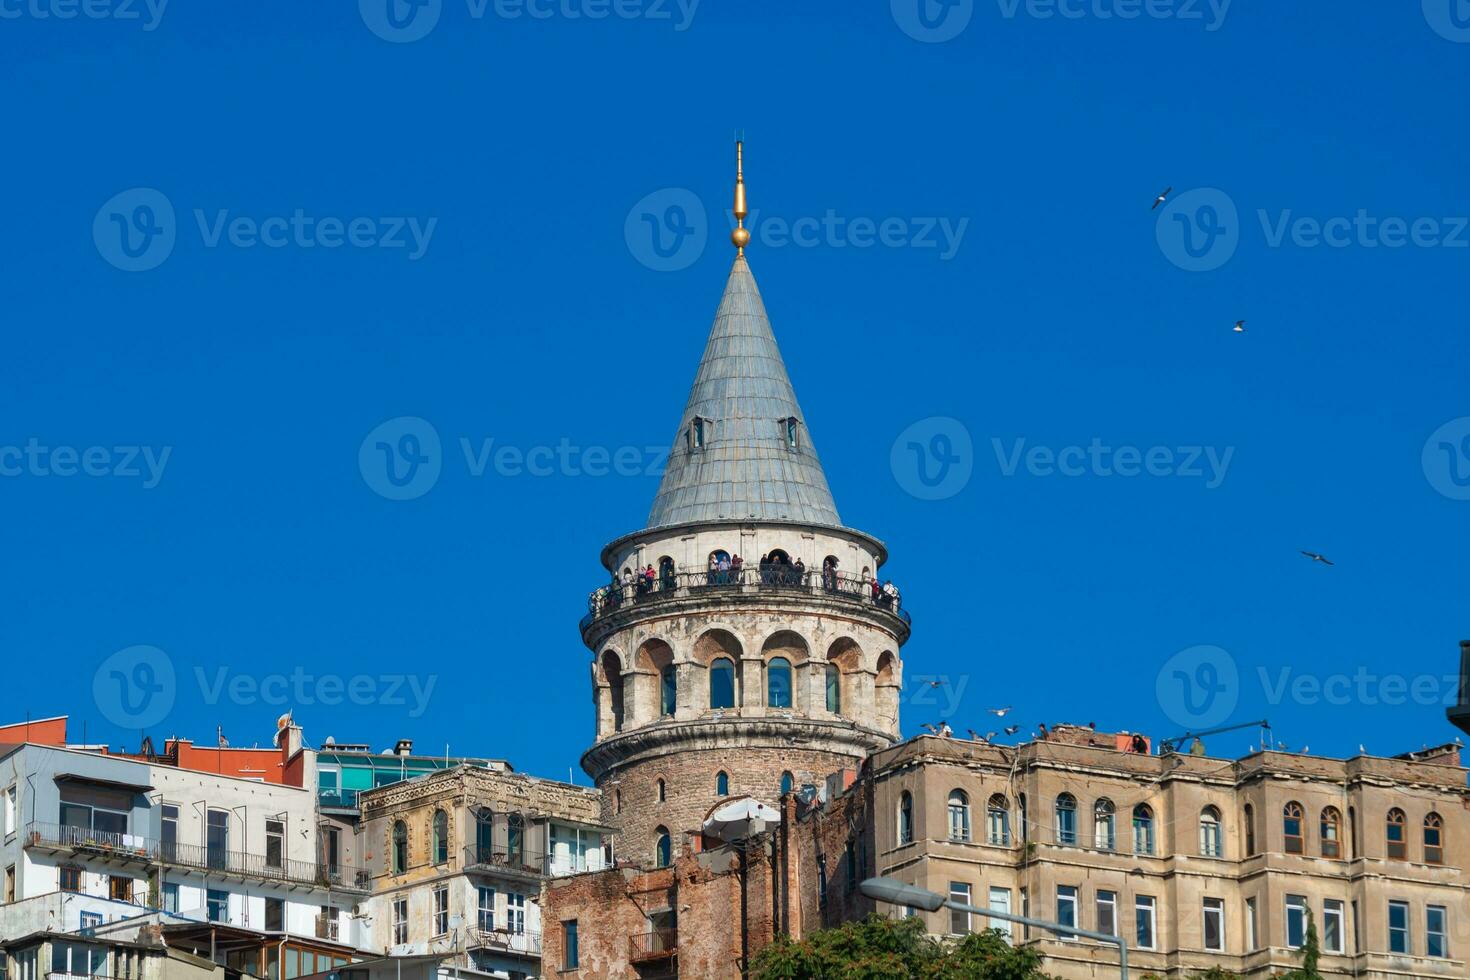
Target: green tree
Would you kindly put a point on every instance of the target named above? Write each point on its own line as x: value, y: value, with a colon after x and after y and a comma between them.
x: 894, y: 949
x: 1311, y: 954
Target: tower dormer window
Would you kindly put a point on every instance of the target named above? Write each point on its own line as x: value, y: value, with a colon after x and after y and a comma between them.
x: 789, y: 429
x: 698, y: 433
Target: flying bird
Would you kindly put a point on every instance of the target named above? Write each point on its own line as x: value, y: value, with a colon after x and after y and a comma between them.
x: 1012, y: 729
x: 1316, y: 557
x: 1160, y: 199
x: 936, y: 683
x: 1000, y: 712
x: 989, y: 736
x: 1239, y: 326
x: 931, y: 728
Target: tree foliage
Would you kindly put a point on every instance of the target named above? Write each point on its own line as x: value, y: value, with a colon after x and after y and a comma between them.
x: 894, y: 949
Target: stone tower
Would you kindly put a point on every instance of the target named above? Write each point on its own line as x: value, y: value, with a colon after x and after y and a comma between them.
x: 713, y: 681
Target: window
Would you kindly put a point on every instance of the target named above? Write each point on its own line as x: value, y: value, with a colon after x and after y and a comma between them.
x: 1143, y: 829
x: 275, y: 915
x: 485, y: 909
x: 1434, y: 932
x: 1291, y: 828
x: 217, y: 905
x: 959, y: 921
x: 441, y: 910
x: 1296, y: 921
x: 662, y: 848
x: 400, y: 921
x: 515, y: 832
x: 663, y: 793
x: 1251, y: 925
x: 1210, y: 844
x: 778, y: 683
x: 169, y: 830
x: 171, y: 896
x: 696, y: 434
x: 1332, y: 926
x: 959, y: 816
x: 1394, y: 831
x: 69, y: 879
x: 1022, y: 826
x: 571, y: 957
x: 1331, y: 832
x: 722, y: 784
x: 722, y: 684
x: 515, y: 913
x: 668, y: 687
x: 275, y: 843
x: 1000, y: 901
x: 1248, y: 821
x: 787, y: 782
x: 89, y: 922
x: 849, y: 860
x: 78, y: 959
x: 400, y: 847
x: 905, y: 818
x: 1398, y: 927
x: 1357, y: 932
x: 1433, y: 839
x: 821, y: 880
x: 1025, y: 913
x: 9, y: 810
x: 217, y: 838
x: 1104, y: 825
x: 119, y: 889
x: 998, y: 821
x: 441, y: 837
x: 1213, y: 912
x: 1066, y: 819
x: 9, y: 884
x: 834, y: 689
x: 1067, y: 909
x: 1143, y: 921
x: 789, y: 427
x: 1106, y: 903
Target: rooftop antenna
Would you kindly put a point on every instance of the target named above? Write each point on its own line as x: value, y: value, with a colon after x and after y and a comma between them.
x: 740, y: 236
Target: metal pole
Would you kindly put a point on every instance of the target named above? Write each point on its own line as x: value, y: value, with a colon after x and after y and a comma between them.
x: 1101, y: 937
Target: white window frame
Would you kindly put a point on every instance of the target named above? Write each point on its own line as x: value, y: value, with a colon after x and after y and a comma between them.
x: 1142, y: 904
x: 1213, y: 908
x: 1000, y: 901
x: 515, y: 913
x: 1332, y: 908
x: 1406, y: 930
x: 485, y: 912
x: 959, y: 891
x: 10, y: 810
x: 1252, y: 941
x: 1443, y: 932
x: 400, y: 922
x: 441, y: 910
x: 1067, y: 895
x: 1296, y: 904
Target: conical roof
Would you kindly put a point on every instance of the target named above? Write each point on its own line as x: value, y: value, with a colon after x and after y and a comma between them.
x: 741, y: 461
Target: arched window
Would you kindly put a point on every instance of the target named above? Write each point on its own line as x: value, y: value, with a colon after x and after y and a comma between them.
x: 905, y: 818
x: 1331, y: 832
x: 1143, y: 829
x: 722, y: 783
x: 515, y: 837
x: 617, y: 801
x: 484, y: 836
x: 1248, y: 821
x: 441, y: 837
x: 668, y: 690
x: 667, y: 582
x: 663, y: 848
x: 959, y: 815
x: 612, y: 670
x: 1398, y: 843
x: 1433, y: 839
x: 1292, y: 829
x: 400, y: 847
x: 1211, y: 842
x: 998, y: 821
x: 787, y: 782
x: 778, y: 683
x: 1104, y: 825
x: 1066, y: 819
x: 662, y: 791
x: 834, y: 689
x: 722, y: 684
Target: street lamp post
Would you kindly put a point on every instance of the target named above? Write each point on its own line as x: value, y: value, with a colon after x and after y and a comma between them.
x: 896, y: 892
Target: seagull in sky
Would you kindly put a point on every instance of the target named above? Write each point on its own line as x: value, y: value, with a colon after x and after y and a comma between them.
x: 1239, y: 326
x: 931, y: 728
x: 1316, y: 557
x: 1160, y: 199
x: 1000, y: 712
x: 1012, y: 729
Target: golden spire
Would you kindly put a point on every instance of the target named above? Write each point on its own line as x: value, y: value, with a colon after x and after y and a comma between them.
x: 740, y: 236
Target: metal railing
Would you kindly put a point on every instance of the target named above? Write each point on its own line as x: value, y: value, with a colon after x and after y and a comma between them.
x: 818, y: 582
x: 501, y: 858
x: 132, y: 847
x: 525, y: 941
x: 653, y: 945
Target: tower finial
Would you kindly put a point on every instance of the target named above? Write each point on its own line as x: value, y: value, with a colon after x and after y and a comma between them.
x: 740, y: 236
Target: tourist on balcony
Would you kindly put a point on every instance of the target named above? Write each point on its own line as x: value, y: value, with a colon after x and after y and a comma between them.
x: 890, y: 596
x: 798, y: 573
x: 714, y: 568
x: 829, y: 574
x: 667, y: 581
x: 737, y: 566
x: 724, y: 569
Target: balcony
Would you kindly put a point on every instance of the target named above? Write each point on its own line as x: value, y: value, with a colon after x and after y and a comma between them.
x: 128, y: 847
x: 660, y: 944
x: 531, y: 864
x: 337, y: 799
x: 774, y: 579
x: 506, y: 940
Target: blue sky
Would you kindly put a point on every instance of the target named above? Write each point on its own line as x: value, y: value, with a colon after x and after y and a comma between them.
x: 525, y: 150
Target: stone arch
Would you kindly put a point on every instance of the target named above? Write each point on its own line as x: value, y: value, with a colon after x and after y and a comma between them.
x: 792, y: 647
x: 886, y: 690
x: 612, y: 713
x: 857, y: 684
x: 718, y: 644
x: 653, y: 658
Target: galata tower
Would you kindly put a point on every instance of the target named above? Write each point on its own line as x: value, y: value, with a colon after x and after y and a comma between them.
x: 761, y: 654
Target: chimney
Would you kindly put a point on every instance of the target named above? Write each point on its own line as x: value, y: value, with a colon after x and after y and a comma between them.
x: 403, y: 747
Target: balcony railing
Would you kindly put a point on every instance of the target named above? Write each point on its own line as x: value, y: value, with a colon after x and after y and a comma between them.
x: 342, y: 799
x: 658, y: 944
x: 528, y: 862
x: 83, y: 840
x: 774, y: 578
x: 525, y: 941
